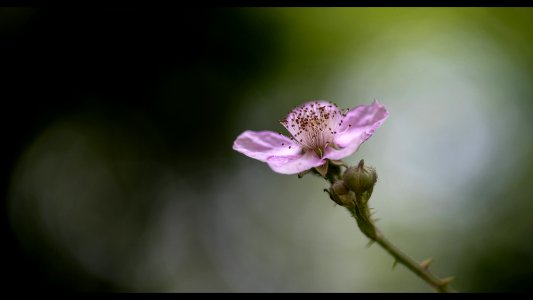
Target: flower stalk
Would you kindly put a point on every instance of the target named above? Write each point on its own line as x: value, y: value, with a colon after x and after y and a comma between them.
x: 360, y: 180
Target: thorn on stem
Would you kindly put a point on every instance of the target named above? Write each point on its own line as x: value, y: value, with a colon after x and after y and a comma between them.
x: 330, y: 195
x: 394, y: 264
x: 446, y: 281
x: 370, y: 243
x: 425, y: 264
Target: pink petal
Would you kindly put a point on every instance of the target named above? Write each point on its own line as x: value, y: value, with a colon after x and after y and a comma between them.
x: 341, y: 153
x: 294, y: 164
x: 263, y: 144
x: 364, y: 120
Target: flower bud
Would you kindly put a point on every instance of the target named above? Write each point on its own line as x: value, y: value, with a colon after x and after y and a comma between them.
x: 360, y: 179
x: 340, y: 188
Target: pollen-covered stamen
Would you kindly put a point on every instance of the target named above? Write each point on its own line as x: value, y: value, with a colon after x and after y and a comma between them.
x: 314, y: 125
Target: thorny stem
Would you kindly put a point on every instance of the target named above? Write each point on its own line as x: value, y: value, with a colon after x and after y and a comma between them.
x: 357, y: 206
x: 439, y: 285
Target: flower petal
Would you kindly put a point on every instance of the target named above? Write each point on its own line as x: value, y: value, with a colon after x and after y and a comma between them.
x: 294, y: 164
x: 358, y: 126
x: 337, y: 154
x: 263, y: 144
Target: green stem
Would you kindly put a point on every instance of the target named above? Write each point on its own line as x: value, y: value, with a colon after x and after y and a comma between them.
x: 356, y: 203
x: 372, y: 232
x: 439, y: 285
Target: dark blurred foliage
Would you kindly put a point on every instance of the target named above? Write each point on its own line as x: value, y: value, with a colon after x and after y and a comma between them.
x: 499, y: 250
x: 180, y: 69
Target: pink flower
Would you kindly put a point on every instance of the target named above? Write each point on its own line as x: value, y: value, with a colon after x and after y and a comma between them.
x: 319, y: 130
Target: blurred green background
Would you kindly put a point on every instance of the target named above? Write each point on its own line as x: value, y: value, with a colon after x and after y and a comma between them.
x: 119, y: 172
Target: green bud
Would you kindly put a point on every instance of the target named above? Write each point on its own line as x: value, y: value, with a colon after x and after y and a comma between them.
x: 340, y: 188
x: 360, y: 179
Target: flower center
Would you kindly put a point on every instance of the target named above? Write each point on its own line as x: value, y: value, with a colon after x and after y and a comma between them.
x: 314, y: 125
